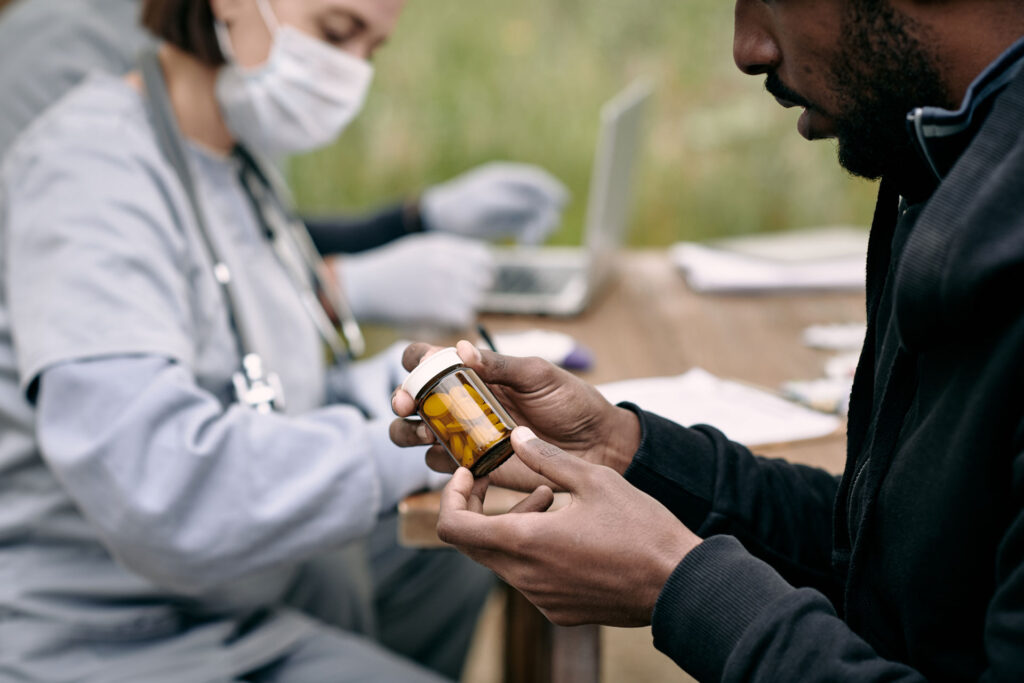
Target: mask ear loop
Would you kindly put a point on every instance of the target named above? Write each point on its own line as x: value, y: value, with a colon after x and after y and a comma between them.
x: 224, y: 41
x: 269, y: 18
x: 224, y: 36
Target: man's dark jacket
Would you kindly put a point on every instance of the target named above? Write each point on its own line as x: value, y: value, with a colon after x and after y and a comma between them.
x: 911, y: 566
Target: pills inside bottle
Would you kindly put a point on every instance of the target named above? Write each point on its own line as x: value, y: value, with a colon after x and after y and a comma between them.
x: 461, y: 411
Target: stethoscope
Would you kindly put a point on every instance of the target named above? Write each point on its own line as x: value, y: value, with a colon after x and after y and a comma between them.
x: 255, y: 385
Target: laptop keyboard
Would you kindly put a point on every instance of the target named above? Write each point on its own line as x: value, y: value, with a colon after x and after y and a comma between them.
x: 526, y: 280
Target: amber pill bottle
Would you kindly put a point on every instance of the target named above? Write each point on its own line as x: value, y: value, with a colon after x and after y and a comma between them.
x: 461, y: 412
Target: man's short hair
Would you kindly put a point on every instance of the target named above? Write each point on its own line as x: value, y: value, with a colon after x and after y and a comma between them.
x: 186, y: 24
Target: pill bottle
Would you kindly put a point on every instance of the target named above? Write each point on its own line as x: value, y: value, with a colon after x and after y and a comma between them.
x: 461, y: 412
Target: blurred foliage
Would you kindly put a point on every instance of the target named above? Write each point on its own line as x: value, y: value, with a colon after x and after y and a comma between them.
x: 463, y: 82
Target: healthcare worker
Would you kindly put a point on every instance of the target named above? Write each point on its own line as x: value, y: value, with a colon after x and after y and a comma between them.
x: 443, y: 257
x: 173, y: 473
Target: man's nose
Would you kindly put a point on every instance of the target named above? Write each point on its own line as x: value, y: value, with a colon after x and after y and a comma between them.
x: 754, y: 48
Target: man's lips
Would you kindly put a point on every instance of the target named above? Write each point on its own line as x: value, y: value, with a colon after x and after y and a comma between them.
x: 813, y: 123
x: 803, y: 125
x: 788, y: 104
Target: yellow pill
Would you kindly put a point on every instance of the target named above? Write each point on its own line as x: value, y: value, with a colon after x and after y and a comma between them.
x: 439, y: 426
x: 463, y: 407
x: 475, y: 394
x: 459, y: 393
x: 436, y: 405
x: 485, y: 434
x: 456, y: 444
x: 493, y: 417
x: 454, y: 427
x: 478, y: 419
x: 468, y: 455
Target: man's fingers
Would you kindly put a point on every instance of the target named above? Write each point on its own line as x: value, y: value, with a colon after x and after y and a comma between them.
x: 456, y: 493
x: 565, y: 470
x: 457, y: 523
x: 407, y: 433
x: 402, y: 404
x: 415, y: 353
x: 522, y: 374
x: 469, y: 353
x: 439, y: 460
x: 538, y: 501
x: 476, y: 495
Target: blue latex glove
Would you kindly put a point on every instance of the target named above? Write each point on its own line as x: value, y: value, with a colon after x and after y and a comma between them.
x: 497, y: 201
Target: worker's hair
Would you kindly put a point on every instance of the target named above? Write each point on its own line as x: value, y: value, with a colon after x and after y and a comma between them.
x: 186, y: 24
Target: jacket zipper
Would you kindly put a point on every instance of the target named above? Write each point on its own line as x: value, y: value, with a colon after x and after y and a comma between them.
x: 915, y: 121
x: 849, y: 502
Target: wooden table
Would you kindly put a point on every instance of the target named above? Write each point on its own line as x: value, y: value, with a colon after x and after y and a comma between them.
x: 648, y: 323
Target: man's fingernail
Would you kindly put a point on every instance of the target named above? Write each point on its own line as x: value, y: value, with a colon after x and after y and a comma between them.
x: 423, y: 432
x: 470, y: 349
x: 526, y: 434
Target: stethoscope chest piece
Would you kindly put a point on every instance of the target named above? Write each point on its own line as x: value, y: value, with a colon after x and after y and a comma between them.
x: 254, y: 387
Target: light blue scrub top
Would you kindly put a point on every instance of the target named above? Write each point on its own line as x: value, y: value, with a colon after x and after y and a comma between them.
x: 48, y: 46
x: 134, y: 498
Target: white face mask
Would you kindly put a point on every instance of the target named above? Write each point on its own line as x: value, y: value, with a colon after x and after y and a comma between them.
x: 300, y: 99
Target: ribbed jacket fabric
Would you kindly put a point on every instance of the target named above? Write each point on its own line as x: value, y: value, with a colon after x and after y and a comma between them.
x: 911, y: 566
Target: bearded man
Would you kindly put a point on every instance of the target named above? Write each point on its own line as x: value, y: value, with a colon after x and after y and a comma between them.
x: 911, y: 565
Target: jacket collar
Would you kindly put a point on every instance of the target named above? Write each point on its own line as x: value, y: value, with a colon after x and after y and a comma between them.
x: 940, y: 135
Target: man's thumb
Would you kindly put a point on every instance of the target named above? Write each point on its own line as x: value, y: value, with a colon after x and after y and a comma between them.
x: 549, y: 461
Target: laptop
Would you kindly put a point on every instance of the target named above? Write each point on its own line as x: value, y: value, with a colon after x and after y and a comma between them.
x: 561, y: 281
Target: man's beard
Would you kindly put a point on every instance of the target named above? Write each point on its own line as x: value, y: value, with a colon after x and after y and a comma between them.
x: 882, y: 73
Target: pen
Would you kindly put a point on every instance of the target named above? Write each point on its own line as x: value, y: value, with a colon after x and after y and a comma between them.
x: 485, y: 335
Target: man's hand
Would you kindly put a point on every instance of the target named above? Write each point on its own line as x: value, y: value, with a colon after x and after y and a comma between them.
x: 556, y: 404
x: 602, y: 559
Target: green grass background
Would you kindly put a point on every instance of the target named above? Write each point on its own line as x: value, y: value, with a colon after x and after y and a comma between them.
x: 467, y: 81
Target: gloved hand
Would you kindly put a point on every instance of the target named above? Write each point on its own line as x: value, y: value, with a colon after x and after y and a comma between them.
x: 368, y: 382
x: 426, y: 277
x: 400, y: 471
x: 497, y: 200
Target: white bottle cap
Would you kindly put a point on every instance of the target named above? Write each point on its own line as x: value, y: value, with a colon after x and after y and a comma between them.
x: 429, y: 368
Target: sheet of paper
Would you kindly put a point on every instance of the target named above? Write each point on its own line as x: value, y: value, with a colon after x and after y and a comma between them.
x: 801, y: 246
x: 745, y: 414
x: 819, y: 259
x: 836, y: 337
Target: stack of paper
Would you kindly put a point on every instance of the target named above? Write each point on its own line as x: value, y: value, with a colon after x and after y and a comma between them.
x: 750, y: 416
x: 818, y: 259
